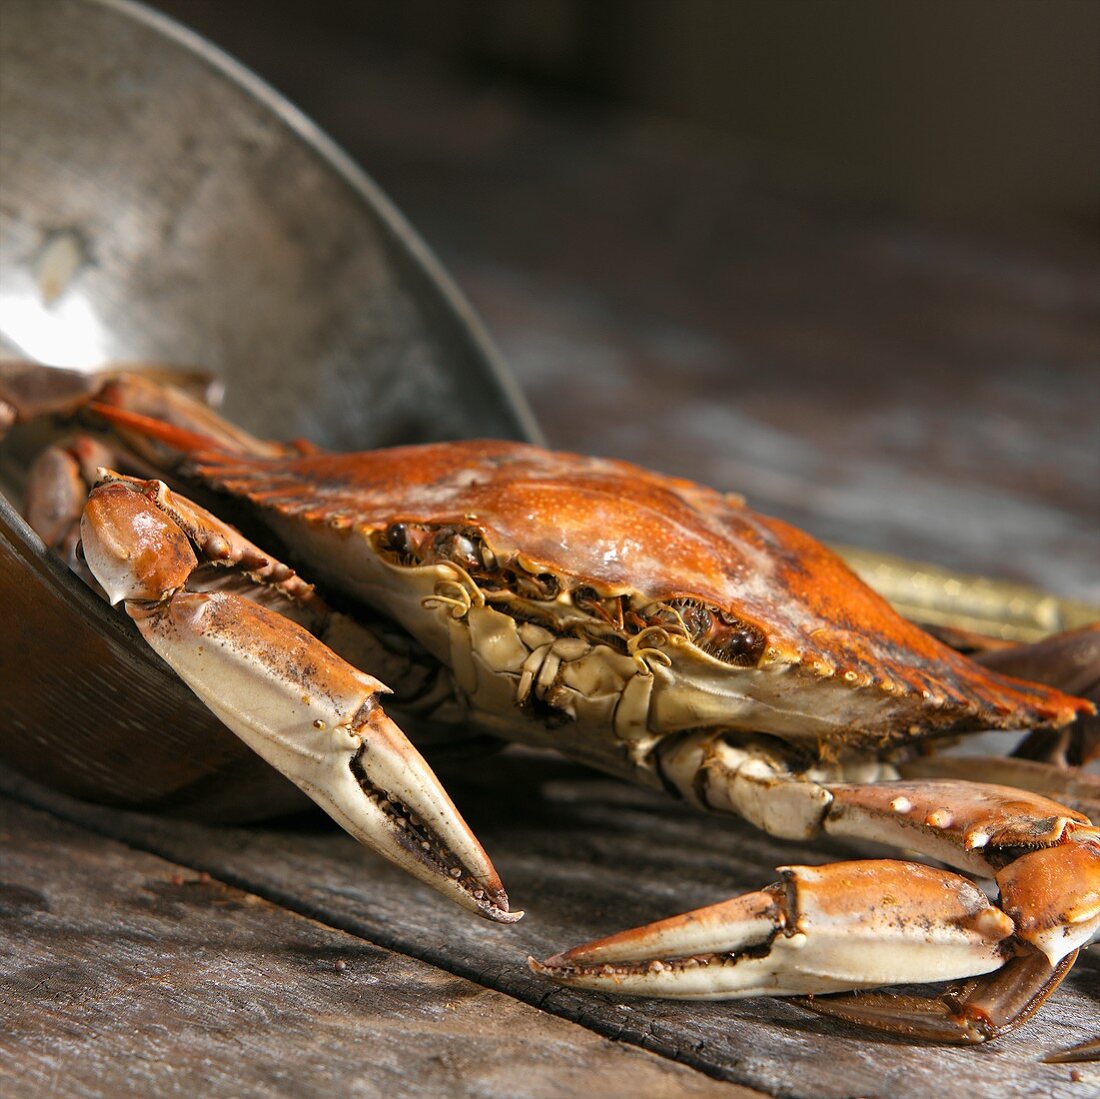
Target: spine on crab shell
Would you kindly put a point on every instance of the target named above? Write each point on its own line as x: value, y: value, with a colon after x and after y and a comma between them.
x: 1035, y: 703
x: 996, y: 701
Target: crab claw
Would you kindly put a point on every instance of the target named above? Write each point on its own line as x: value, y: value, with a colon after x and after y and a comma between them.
x: 305, y: 710
x: 822, y: 929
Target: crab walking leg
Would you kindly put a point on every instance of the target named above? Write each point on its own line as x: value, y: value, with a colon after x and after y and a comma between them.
x: 58, y: 483
x: 1070, y: 786
x: 308, y: 712
x: 975, y: 1011
x: 859, y: 924
x: 1045, y: 856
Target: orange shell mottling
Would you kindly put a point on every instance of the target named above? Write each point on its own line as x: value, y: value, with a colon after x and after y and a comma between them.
x: 624, y: 529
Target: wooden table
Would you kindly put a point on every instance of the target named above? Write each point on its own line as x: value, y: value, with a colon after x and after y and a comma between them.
x: 905, y: 387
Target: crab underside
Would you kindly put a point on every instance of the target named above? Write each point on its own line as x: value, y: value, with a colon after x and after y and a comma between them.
x: 645, y: 625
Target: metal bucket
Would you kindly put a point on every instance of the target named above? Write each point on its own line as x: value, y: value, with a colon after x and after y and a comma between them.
x: 159, y: 203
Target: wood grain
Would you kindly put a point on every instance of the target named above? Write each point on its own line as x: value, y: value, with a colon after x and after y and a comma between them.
x: 125, y: 975
x: 586, y: 856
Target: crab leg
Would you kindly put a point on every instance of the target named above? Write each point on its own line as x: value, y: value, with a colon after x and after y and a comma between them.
x: 976, y: 1011
x: 1069, y: 786
x: 308, y: 712
x: 63, y: 473
x: 1071, y: 662
x: 845, y: 926
x: 860, y: 924
x: 176, y: 396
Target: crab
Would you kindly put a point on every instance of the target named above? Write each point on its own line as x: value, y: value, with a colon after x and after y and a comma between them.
x: 645, y: 625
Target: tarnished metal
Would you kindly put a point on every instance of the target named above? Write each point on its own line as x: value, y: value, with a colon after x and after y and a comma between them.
x: 159, y: 203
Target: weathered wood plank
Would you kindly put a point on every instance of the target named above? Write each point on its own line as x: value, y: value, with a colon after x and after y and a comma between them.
x: 124, y: 975
x: 587, y: 855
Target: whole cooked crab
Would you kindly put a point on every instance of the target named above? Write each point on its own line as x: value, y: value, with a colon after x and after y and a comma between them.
x: 645, y: 625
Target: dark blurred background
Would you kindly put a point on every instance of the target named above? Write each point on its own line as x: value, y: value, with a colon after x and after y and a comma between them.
x: 983, y: 111
x: 843, y: 257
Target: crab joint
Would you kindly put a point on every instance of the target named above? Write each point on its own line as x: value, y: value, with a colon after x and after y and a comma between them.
x: 134, y: 550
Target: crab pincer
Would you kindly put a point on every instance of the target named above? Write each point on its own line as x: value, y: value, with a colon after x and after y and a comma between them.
x: 304, y: 709
x: 820, y: 929
x: 868, y: 923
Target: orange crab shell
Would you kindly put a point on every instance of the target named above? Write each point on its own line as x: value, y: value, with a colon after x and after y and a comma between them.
x: 622, y: 529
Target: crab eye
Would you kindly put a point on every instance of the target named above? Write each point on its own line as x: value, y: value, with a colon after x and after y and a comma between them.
x: 721, y: 634
x: 590, y: 601
x: 540, y: 587
x: 396, y: 538
x: 742, y: 645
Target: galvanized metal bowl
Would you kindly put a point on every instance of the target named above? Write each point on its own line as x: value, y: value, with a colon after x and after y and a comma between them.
x: 159, y: 203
